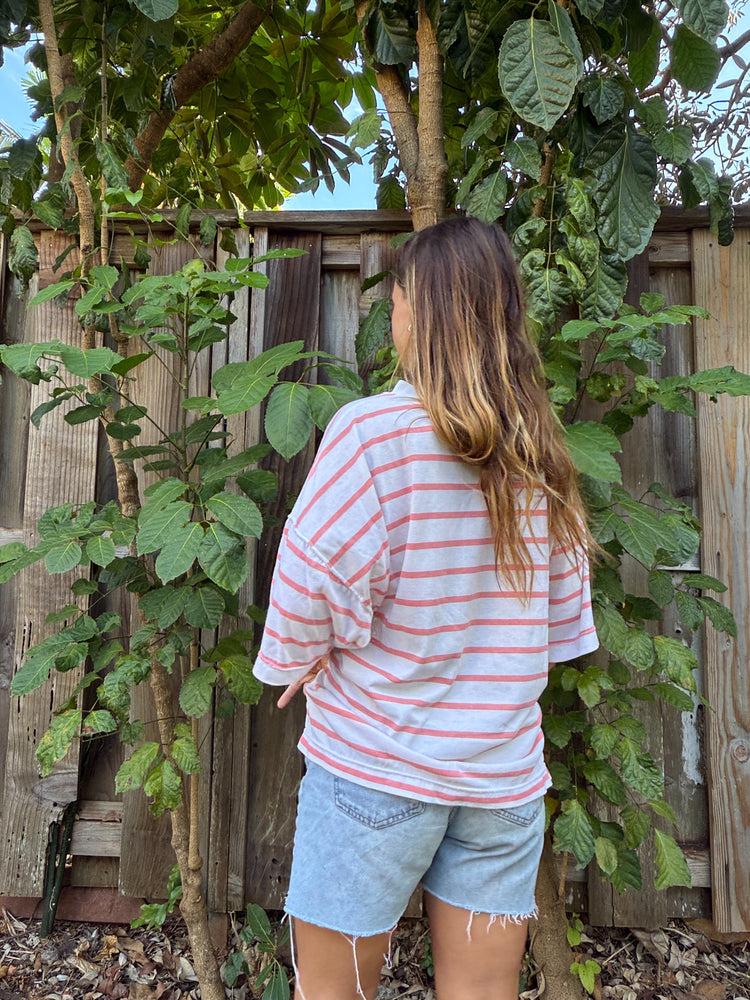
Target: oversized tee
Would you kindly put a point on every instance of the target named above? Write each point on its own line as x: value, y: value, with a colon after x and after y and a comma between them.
x: 436, y: 663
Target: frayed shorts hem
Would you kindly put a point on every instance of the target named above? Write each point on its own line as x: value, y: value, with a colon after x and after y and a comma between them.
x: 339, y: 930
x: 502, y: 918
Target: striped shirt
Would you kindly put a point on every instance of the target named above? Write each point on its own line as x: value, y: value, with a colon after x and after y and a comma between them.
x: 436, y: 667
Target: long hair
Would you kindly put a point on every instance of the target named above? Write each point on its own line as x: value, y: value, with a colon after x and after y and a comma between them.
x: 480, y: 378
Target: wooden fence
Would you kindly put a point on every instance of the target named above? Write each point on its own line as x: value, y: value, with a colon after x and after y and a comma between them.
x: 250, y: 765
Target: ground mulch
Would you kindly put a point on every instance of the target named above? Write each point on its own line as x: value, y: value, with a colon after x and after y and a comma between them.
x: 81, y: 961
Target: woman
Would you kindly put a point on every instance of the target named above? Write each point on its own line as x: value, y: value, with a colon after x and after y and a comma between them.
x: 433, y: 566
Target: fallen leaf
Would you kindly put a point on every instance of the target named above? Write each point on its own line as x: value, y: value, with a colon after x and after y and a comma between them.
x: 709, y: 989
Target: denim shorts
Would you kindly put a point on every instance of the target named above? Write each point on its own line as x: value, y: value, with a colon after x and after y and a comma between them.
x: 359, y: 853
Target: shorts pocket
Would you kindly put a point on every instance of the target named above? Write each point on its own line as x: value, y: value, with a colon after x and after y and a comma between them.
x: 521, y: 815
x: 373, y: 808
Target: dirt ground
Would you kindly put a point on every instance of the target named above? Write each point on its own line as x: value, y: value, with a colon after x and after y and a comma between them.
x: 92, y: 961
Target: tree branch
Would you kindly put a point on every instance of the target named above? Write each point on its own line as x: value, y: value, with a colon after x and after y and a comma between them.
x: 427, y: 192
x: 734, y: 47
x: 397, y: 102
x: 201, y: 69
x: 86, y: 216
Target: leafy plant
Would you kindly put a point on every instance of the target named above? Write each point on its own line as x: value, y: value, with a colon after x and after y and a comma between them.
x: 154, y: 915
x: 257, y: 932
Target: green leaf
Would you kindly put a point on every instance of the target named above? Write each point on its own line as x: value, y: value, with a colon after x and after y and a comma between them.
x: 237, y: 513
x: 698, y: 581
x: 152, y: 535
x: 628, y: 874
x: 390, y: 38
x: 99, y: 721
x: 604, y: 96
x: 603, y: 739
x: 22, y: 156
x: 625, y: 164
x: 157, y: 10
x: 479, y: 127
x: 325, y: 400
x: 114, y: 172
x: 637, y: 825
x: 674, y: 696
x: 197, y: 690
x: 695, y: 61
x: 164, y: 605
x: 204, y: 608
x: 373, y: 330
x: 487, y: 200
x: 133, y: 771
x: 238, y: 671
x: 591, y: 446
x: 590, y: 8
x: 260, y: 485
x: 677, y: 661
x: 57, y: 740
x: 639, y: 770
x: 605, y: 290
x: 573, y: 832
x: 63, y: 557
x: 671, y: 865
x: 184, y: 750
x: 606, y: 855
x: 523, y: 154
x: 605, y: 780
x: 537, y: 72
x: 390, y: 195
x: 163, y: 785
x: 643, y: 63
x: 100, y: 550
x: 639, y: 648
x: 223, y: 558
x: 706, y: 18
x: 51, y: 292
x: 689, y: 610
x: 22, y: 257
x: 720, y: 616
x: 561, y: 22
x: 675, y: 145
x: 661, y: 587
x: 180, y: 550
x: 158, y: 495
x: 288, y: 422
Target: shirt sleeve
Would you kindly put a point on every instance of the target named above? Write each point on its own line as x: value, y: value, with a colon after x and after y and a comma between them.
x: 571, y: 622
x: 332, y: 566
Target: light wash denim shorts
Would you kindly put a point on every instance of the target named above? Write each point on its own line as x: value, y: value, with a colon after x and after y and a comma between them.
x: 360, y: 853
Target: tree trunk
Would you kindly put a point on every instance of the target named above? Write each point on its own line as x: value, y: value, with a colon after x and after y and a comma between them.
x: 549, y: 942
x: 184, y: 843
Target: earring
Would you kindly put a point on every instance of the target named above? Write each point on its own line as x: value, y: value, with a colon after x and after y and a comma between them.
x: 410, y: 328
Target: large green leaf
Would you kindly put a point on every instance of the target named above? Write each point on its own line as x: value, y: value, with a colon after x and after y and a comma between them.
x: 523, y: 154
x: 695, y: 61
x: 573, y: 832
x: 58, y: 739
x: 325, y: 400
x: 561, y: 22
x: 373, y: 330
x: 671, y: 866
x: 88, y: 363
x: 591, y: 446
x: 487, y: 200
x: 237, y: 513
x: 611, y: 628
x: 238, y: 671
x: 153, y: 534
x: 643, y: 63
x: 605, y: 780
x: 706, y: 18
x: 677, y: 661
x: 639, y: 770
x: 204, y: 608
x: 157, y: 10
x: 604, y: 96
x: 465, y: 36
x: 132, y: 772
x: 223, y: 558
x: 537, y: 71
x: 164, y: 786
x: 605, y: 289
x: 22, y: 253
x: 288, y: 422
x: 246, y: 394
x: 179, y: 551
x: 676, y: 144
x: 184, y: 750
x: 625, y: 164
x: 63, y: 557
x: 164, y: 605
x: 197, y: 690
x: 390, y: 37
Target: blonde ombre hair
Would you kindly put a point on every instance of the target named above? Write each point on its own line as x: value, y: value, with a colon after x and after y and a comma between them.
x: 480, y: 378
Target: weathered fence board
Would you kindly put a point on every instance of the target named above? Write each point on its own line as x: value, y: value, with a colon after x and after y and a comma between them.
x: 60, y: 467
x: 722, y: 286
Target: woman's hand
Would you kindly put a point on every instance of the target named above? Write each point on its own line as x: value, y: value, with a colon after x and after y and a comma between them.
x: 311, y: 674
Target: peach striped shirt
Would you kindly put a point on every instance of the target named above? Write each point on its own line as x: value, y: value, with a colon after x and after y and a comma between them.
x: 436, y: 668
